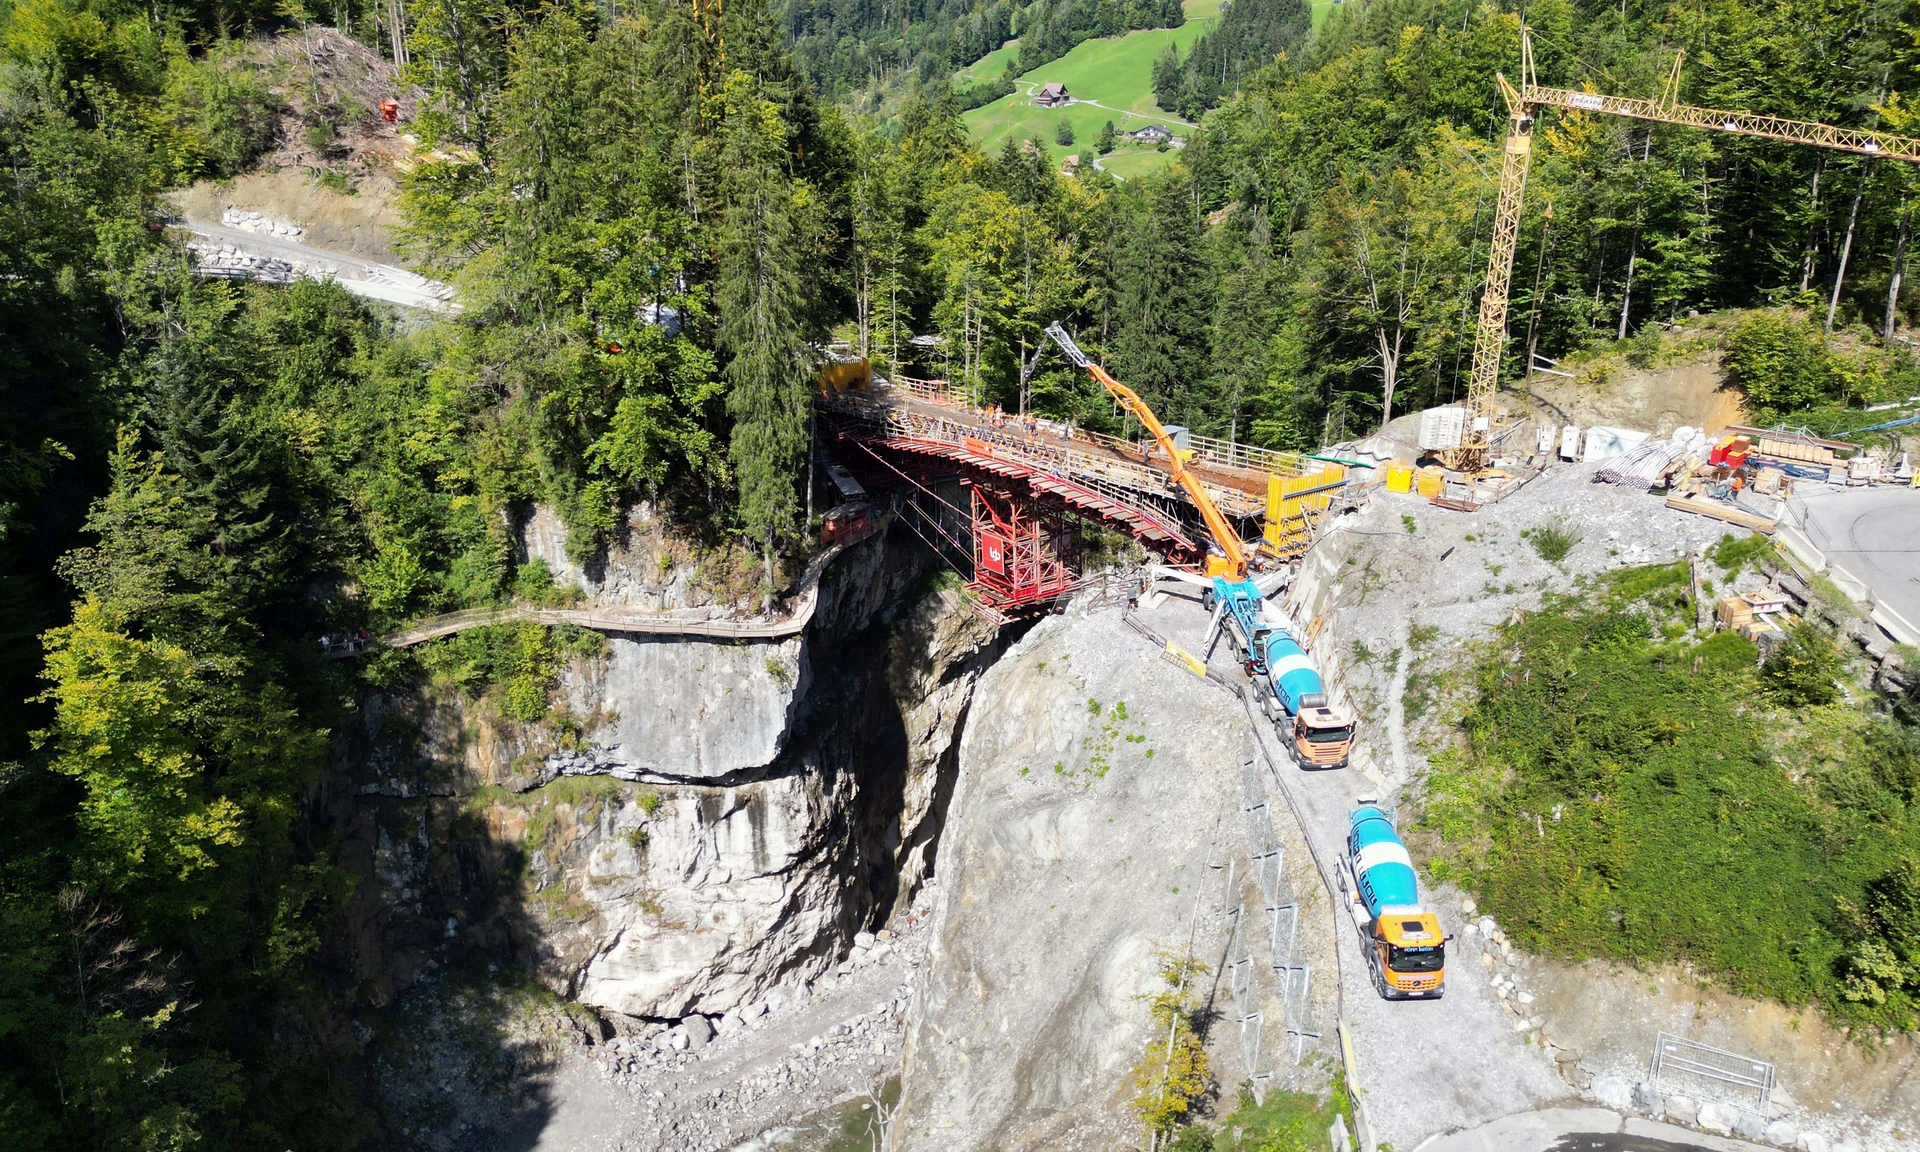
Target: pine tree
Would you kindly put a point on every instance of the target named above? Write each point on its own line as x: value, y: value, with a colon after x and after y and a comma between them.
x: 1103, y: 143
x: 763, y: 316
x: 1161, y: 296
x: 1167, y: 76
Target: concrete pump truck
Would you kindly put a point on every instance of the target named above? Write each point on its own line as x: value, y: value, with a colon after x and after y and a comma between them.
x: 1318, y: 734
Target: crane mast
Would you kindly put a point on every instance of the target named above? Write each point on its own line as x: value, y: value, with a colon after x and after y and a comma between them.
x: 1523, y: 105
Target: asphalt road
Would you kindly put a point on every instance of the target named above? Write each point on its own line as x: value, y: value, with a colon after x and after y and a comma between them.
x: 1874, y: 534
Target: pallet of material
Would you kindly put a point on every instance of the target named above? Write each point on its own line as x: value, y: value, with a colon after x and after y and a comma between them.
x: 1802, y: 440
x: 1792, y: 450
x: 1706, y: 506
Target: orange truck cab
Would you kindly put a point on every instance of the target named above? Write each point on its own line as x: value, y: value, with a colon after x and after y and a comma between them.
x: 1405, y: 947
x: 1322, y: 733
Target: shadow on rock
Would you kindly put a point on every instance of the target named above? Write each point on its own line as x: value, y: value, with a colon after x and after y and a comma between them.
x: 467, y: 1065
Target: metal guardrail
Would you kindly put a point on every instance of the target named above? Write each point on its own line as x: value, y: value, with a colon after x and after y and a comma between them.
x: 1206, y: 449
x: 1693, y: 1064
x: 1232, y: 454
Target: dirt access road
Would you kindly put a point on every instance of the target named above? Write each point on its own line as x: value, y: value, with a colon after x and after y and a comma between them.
x: 358, y: 275
x: 1425, y: 1068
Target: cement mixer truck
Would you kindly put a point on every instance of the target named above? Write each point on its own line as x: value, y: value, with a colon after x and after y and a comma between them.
x: 1318, y: 732
x: 1405, y: 950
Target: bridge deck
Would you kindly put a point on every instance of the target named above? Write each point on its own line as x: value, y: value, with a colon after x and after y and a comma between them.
x: 1119, y: 470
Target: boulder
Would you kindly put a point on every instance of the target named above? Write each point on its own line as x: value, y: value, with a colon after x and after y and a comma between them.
x: 1749, y: 1125
x: 1647, y: 1098
x: 1614, y: 1092
x: 1715, y: 1118
x: 1814, y: 1142
x: 1782, y: 1133
x: 864, y: 939
x: 698, y: 1030
x: 1680, y: 1109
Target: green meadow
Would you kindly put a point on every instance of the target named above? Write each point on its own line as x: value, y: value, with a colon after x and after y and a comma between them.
x: 1116, y: 74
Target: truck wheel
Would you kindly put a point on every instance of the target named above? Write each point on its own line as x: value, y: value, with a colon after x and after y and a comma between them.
x: 1206, y: 599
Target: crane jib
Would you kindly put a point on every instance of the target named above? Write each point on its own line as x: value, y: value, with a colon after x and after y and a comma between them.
x: 1863, y: 141
x: 1490, y: 335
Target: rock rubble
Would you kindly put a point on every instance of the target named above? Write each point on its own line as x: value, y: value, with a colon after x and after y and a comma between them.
x: 709, y: 1083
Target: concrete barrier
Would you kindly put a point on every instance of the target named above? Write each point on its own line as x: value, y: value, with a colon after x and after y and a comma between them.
x: 1795, y: 541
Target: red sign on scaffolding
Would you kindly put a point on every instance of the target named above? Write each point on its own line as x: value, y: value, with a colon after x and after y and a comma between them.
x: 1020, y: 560
x: 993, y: 553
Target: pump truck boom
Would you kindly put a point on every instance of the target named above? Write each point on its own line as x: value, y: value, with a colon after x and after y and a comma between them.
x: 1406, y: 951
x: 1231, y: 564
x: 1318, y: 734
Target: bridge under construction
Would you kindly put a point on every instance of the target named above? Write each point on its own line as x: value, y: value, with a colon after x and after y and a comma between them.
x: 996, y: 493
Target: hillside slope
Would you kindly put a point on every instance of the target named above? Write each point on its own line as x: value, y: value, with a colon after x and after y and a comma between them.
x: 1110, y: 79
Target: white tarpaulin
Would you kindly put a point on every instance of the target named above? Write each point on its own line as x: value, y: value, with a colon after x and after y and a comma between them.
x: 1604, y: 443
x: 1442, y: 428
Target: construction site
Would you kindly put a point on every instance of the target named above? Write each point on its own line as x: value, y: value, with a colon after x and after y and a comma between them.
x: 1264, y: 650
x: 1059, y: 757
x: 1314, y: 589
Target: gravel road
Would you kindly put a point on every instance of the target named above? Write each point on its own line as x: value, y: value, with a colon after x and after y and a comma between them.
x: 1424, y: 1067
x: 356, y: 274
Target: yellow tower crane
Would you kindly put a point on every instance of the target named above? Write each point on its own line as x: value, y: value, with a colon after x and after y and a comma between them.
x: 1523, y: 104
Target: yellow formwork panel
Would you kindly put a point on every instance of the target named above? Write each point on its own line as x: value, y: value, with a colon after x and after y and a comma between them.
x: 1291, y: 498
x: 842, y: 375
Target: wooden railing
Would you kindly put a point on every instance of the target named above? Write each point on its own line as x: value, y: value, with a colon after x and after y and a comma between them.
x: 628, y: 621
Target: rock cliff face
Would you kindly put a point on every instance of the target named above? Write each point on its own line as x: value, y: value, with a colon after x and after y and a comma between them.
x: 728, y: 817
x: 1098, y: 799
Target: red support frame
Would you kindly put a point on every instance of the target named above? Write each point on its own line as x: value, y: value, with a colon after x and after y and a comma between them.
x: 1021, y: 561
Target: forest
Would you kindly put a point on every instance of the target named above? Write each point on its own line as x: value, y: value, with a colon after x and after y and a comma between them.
x: 657, y: 215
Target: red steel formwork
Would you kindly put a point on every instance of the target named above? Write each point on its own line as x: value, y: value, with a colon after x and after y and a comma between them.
x: 1022, y: 561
